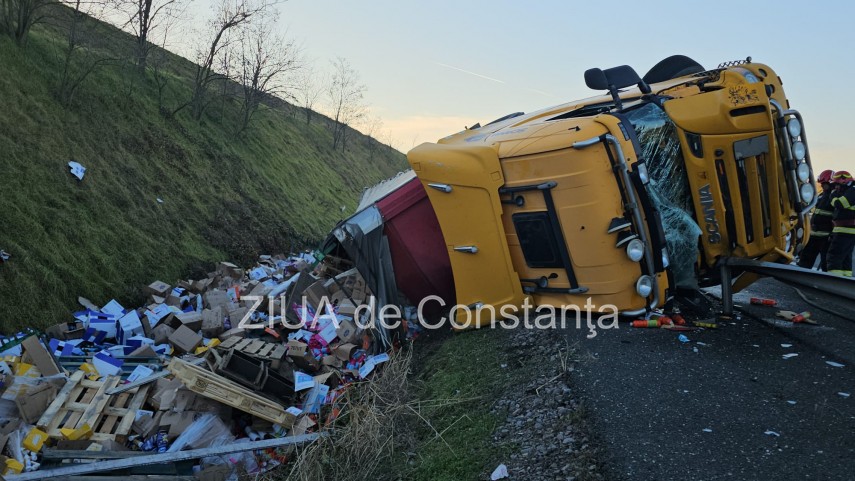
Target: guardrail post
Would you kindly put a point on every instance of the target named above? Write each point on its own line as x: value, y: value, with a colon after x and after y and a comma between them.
x: 726, y: 289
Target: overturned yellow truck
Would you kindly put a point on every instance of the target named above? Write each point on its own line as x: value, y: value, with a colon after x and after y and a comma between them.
x: 623, y: 198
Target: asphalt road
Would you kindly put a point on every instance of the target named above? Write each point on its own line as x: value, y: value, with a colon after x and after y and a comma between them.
x: 727, y: 404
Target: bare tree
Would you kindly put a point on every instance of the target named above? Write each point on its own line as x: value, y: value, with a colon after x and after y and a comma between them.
x: 267, y: 61
x: 156, y: 63
x: 372, y: 124
x: 308, y: 89
x: 230, y: 15
x: 227, y: 90
x: 345, y: 95
x: 17, y: 17
x: 81, y: 54
x: 389, y: 139
x: 145, y: 18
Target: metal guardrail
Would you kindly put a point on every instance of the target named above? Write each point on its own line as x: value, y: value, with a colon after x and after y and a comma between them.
x: 842, y: 287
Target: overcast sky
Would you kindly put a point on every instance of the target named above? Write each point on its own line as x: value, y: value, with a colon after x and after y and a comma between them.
x: 433, y: 67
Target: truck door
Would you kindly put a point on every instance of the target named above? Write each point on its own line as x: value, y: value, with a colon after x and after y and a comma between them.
x: 463, y: 187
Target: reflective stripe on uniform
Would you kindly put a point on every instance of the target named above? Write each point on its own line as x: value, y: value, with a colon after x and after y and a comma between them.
x: 823, y: 212
x: 841, y: 273
x: 820, y: 233
x: 843, y: 201
x: 844, y: 230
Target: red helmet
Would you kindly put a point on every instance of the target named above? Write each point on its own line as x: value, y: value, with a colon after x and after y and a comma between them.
x: 825, y: 176
x: 841, y: 177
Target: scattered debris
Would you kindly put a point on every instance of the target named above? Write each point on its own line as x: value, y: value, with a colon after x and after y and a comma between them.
x: 641, y: 323
x: 796, y: 317
x: 4, y: 256
x: 772, y: 433
x: 682, y: 338
x: 789, y: 355
x: 834, y: 364
x: 206, y: 364
x: 707, y: 430
x: 759, y: 301
x: 843, y: 394
x: 792, y: 403
x: 76, y: 169
x: 786, y: 345
x: 159, y: 200
x: 501, y: 472
x: 707, y: 325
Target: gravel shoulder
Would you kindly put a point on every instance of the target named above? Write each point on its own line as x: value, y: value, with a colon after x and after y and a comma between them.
x: 494, y: 397
x: 543, y: 417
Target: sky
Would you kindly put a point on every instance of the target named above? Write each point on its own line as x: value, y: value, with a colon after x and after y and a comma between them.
x: 433, y: 67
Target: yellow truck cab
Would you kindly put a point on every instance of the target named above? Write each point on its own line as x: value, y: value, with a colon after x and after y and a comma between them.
x: 622, y: 198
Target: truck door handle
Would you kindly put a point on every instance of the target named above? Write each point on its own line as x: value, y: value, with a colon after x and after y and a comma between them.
x: 467, y: 249
x: 441, y: 187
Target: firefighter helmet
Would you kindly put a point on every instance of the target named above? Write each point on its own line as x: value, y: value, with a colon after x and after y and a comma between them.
x: 841, y: 177
x: 825, y: 176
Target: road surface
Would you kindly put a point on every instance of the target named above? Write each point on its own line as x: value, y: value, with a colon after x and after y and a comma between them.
x: 733, y: 403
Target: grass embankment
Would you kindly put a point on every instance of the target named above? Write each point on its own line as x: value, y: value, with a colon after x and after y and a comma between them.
x: 277, y: 187
x: 457, y: 382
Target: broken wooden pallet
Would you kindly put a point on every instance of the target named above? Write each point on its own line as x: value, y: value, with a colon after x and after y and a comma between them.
x: 220, y: 389
x: 85, y: 402
x: 255, y: 347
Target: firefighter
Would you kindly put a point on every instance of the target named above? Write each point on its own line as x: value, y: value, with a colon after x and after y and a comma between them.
x: 820, y: 225
x: 843, y: 234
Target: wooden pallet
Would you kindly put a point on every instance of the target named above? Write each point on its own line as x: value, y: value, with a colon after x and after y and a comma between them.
x: 82, y: 401
x: 220, y: 389
x: 255, y: 347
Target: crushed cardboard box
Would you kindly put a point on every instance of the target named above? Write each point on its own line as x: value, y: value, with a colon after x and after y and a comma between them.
x: 235, y: 374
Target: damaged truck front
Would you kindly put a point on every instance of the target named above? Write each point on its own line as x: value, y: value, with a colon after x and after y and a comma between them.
x: 622, y: 199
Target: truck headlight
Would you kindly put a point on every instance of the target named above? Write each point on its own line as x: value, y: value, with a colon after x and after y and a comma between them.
x: 803, y: 171
x: 799, y: 150
x: 794, y: 127
x: 635, y: 250
x: 806, y: 191
x: 644, y: 286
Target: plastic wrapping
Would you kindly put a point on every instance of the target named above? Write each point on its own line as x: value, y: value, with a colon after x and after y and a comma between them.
x: 15, y: 444
x: 21, y: 383
x: 206, y: 431
x: 669, y: 189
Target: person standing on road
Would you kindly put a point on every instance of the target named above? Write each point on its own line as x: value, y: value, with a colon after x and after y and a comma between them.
x: 843, y: 234
x: 820, y: 226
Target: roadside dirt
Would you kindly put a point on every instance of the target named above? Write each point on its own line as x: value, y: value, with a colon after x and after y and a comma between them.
x: 543, y: 417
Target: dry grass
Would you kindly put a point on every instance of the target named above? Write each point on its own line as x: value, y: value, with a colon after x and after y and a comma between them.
x: 378, y: 427
x: 374, y: 422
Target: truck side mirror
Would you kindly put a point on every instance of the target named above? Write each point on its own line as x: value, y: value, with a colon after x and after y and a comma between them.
x: 614, y: 79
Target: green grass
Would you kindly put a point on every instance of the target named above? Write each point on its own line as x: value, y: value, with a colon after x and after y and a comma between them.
x: 277, y: 188
x: 463, y: 376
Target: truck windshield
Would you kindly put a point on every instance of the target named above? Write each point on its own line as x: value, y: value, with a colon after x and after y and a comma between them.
x: 668, y: 188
